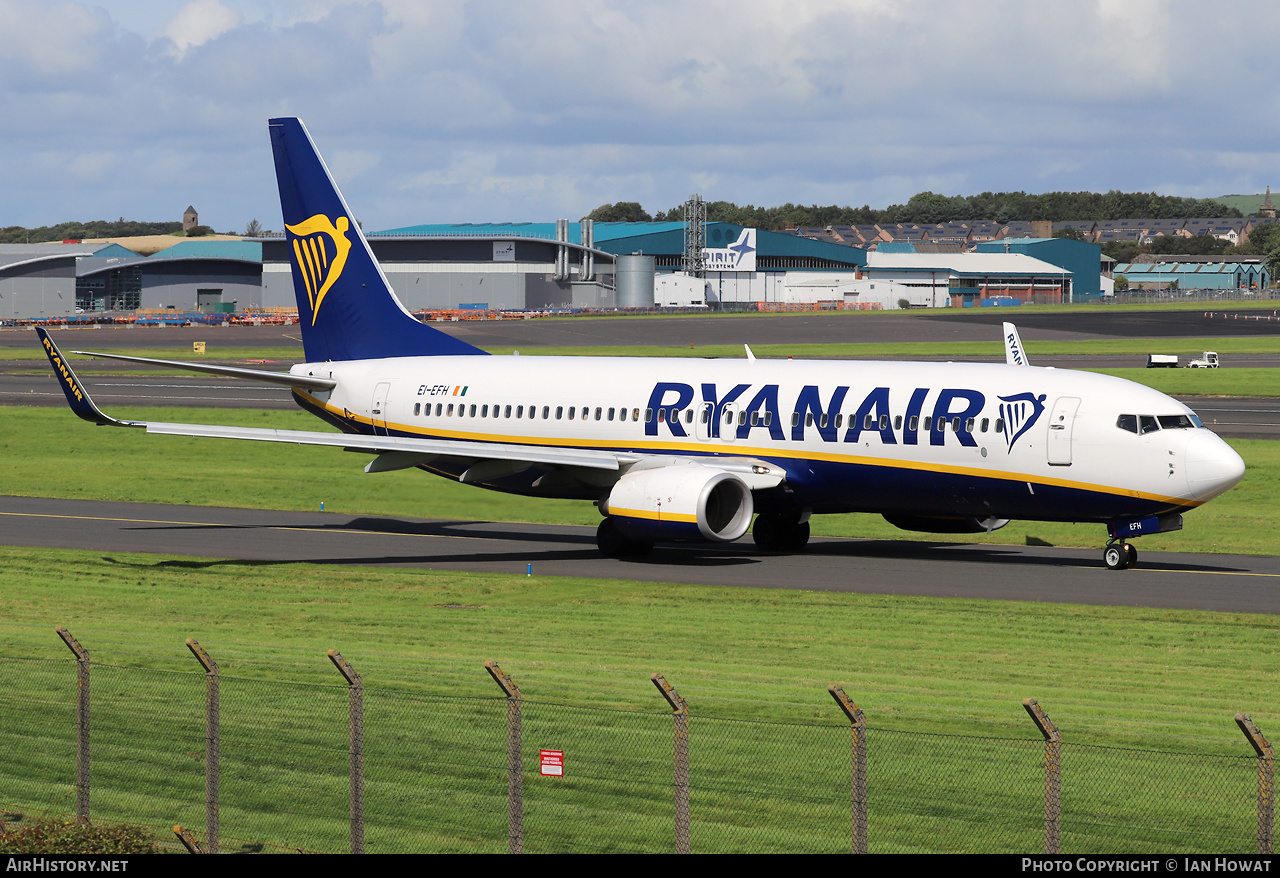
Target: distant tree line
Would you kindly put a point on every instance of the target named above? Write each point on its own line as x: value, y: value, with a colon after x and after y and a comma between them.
x: 930, y: 207
x: 121, y: 228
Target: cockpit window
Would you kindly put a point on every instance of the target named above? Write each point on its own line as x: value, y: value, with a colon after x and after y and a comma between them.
x: 1143, y: 424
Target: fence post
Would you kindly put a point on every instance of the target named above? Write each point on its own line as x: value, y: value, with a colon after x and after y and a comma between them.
x: 211, y: 738
x: 1052, y: 775
x: 1266, y: 782
x: 515, y: 773
x: 82, y: 723
x: 356, y: 702
x: 189, y: 841
x: 681, y: 718
x: 858, y: 773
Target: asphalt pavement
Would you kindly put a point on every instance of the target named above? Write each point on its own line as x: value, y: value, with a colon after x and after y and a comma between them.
x: 1224, y: 583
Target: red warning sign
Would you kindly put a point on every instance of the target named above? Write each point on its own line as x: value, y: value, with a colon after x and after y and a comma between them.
x: 552, y: 763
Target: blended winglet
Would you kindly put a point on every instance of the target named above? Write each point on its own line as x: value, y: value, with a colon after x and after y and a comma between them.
x: 1014, y: 352
x: 77, y: 395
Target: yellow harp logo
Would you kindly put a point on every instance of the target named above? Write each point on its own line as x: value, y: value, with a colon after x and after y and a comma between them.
x: 320, y: 250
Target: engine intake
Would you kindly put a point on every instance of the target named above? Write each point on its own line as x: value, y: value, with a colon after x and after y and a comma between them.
x: 681, y: 503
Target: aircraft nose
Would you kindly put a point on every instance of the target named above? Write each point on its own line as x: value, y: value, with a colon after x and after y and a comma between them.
x: 1213, y: 467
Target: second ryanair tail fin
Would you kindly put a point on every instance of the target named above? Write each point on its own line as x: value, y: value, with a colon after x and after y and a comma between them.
x: 345, y: 304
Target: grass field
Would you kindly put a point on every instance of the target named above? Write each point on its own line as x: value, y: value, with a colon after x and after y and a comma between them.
x: 940, y: 680
x: 1144, y: 697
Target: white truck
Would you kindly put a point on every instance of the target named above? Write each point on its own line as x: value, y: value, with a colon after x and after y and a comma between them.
x: 1162, y: 361
x: 1208, y: 361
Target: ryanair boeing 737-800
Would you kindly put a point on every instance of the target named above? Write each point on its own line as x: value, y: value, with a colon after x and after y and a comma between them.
x: 693, y: 449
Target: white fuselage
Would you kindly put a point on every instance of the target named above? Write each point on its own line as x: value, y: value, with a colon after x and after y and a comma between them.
x: 922, y: 438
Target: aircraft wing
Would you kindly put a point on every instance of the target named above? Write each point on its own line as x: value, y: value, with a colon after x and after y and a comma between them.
x: 394, y: 452
x: 286, y: 378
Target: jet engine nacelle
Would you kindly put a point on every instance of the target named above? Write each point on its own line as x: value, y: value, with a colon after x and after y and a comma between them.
x: 681, y: 503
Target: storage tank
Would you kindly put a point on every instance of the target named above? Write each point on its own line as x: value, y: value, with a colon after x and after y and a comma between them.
x: 634, y: 280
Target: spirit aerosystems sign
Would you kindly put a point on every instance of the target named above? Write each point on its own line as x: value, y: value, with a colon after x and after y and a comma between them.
x: 738, y: 256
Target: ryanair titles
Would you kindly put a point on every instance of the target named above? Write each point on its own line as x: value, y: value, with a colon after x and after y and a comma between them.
x: 64, y: 374
x: 744, y: 408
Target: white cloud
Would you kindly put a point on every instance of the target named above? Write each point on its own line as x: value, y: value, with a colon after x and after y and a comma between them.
x: 199, y: 21
x: 475, y: 110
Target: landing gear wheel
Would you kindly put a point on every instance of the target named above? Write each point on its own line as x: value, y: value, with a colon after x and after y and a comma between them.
x: 767, y: 532
x: 1132, y: 555
x: 612, y: 544
x: 797, y: 538
x: 1116, y: 556
x: 777, y: 533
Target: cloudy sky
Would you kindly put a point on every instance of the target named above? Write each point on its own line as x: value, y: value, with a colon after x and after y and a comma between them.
x: 496, y: 111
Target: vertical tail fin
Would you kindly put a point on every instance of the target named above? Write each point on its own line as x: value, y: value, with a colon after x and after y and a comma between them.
x: 346, y: 306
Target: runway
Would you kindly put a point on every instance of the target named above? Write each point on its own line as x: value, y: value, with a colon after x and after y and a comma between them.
x: 810, y: 327
x: 1223, y: 583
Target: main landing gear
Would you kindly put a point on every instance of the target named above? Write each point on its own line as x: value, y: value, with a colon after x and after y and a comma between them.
x: 613, y: 544
x: 778, y: 532
x: 1119, y: 555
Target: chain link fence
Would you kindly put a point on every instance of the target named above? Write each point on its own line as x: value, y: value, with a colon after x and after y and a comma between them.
x: 1133, y: 296
x: 284, y: 766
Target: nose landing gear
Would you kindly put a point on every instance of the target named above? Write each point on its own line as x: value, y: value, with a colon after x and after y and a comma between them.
x: 1119, y: 556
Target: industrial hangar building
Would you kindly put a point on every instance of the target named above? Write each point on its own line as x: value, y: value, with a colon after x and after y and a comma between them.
x: 561, y: 265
